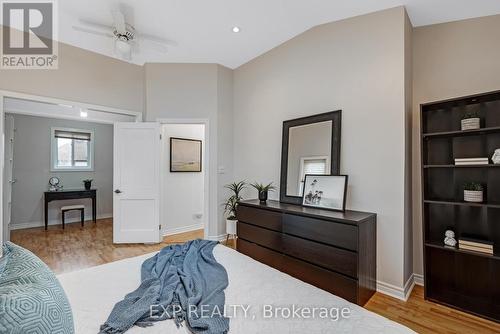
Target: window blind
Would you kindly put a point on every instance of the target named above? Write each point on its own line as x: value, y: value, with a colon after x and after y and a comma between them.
x: 315, y: 167
x: 72, y: 135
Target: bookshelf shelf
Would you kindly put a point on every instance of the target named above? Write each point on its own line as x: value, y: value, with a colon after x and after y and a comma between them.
x: 461, y: 251
x: 463, y: 203
x: 460, y: 278
x: 460, y: 133
x: 463, y: 166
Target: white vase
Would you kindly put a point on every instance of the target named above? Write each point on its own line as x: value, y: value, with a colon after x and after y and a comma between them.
x: 231, y: 226
x: 471, y: 123
x: 473, y: 196
x: 496, y: 157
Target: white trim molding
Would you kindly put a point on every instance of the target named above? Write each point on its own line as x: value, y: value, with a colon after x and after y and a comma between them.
x: 21, y: 226
x: 419, y: 279
x: 183, y: 229
x: 398, y: 292
x: 217, y: 237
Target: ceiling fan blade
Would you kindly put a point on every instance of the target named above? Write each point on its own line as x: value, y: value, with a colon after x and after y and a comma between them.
x: 119, y: 20
x: 156, y: 39
x: 93, y: 32
x: 96, y: 25
x: 153, y: 46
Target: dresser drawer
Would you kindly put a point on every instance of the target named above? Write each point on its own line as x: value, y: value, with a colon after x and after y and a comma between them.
x: 340, y: 260
x: 328, y: 232
x: 261, y: 254
x: 324, y: 279
x: 264, y: 218
x: 260, y: 236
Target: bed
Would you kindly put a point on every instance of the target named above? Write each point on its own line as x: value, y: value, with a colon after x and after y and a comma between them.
x: 267, y: 295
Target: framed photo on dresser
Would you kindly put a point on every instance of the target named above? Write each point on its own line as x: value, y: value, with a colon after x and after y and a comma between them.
x: 325, y: 191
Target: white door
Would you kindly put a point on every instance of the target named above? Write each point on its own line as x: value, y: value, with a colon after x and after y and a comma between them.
x: 8, y: 175
x: 136, y: 179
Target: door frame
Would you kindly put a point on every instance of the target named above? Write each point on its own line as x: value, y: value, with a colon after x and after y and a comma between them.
x: 206, y: 165
x: 37, y: 98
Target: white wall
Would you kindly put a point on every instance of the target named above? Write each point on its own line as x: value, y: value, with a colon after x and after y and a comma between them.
x: 183, y: 193
x: 356, y: 65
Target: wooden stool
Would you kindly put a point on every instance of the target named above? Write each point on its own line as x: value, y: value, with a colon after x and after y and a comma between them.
x: 67, y: 208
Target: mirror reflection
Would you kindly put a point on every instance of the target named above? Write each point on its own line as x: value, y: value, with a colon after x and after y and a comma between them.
x: 309, y: 152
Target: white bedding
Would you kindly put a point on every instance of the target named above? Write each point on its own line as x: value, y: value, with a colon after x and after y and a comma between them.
x: 93, y: 292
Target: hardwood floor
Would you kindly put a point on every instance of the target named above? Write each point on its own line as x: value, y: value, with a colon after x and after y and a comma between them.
x: 78, y: 248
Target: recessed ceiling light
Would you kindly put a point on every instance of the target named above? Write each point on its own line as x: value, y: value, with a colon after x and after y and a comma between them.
x: 83, y: 113
x: 236, y: 29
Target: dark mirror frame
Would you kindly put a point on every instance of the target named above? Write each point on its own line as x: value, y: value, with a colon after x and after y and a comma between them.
x: 336, y: 118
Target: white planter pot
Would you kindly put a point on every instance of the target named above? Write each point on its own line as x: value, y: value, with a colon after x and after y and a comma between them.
x: 230, y: 226
x: 471, y: 124
x: 473, y: 196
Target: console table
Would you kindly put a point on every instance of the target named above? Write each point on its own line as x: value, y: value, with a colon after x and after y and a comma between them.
x: 335, y: 251
x: 66, y: 194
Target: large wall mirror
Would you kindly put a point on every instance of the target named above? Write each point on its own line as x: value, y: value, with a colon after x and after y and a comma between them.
x: 311, y: 145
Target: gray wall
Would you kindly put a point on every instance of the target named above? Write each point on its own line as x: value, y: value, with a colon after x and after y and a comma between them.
x: 198, y: 91
x: 356, y: 65
x: 32, y: 170
x: 464, y: 60
x: 82, y: 76
x: 408, y: 228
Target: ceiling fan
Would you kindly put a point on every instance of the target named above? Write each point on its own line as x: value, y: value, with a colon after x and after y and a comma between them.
x: 126, y: 38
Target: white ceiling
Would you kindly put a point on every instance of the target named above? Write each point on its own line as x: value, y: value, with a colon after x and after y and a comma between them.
x: 203, y: 28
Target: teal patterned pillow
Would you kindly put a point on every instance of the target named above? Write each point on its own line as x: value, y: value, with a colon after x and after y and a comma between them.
x: 31, y: 298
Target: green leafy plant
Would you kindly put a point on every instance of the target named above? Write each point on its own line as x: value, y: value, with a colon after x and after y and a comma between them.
x: 87, y: 180
x: 473, y: 186
x: 470, y: 114
x: 263, y: 188
x: 232, y: 202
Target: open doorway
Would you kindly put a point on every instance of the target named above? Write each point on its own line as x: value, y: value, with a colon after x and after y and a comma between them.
x: 184, y: 177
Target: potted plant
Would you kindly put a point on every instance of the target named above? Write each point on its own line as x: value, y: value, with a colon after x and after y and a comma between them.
x: 473, y: 192
x: 231, y: 205
x: 471, y: 121
x: 87, y: 183
x: 263, y: 190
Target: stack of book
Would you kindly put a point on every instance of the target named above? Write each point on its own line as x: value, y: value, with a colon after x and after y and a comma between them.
x: 475, y: 245
x: 472, y: 161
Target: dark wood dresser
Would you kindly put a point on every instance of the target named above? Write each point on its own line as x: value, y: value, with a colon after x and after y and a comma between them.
x: 335, y: 251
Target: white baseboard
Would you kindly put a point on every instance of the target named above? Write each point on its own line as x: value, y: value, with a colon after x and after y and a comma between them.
x: 217, y: 237
x: 419, y: 279
x: 20, y: 226
x: 398, y: 292
x: 183, y: 229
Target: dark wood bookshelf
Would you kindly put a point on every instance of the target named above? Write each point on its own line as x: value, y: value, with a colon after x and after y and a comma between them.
x: 463, y: 203
x: 457, y: 250
x: 459, y: 278
x: 461, y: 133
x: 463, y: 166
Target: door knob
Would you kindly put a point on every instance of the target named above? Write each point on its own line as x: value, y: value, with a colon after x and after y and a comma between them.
x: 13, y: 181
x: 118, y: 191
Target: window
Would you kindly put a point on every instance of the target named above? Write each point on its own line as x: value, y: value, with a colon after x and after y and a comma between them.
x: 72, y: 149
x: 312, y: 166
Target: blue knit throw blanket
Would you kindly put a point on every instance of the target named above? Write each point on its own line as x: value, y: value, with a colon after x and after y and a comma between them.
x: 181, y: 282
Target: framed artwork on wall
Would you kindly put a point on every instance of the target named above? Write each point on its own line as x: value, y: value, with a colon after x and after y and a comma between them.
x: 185, y: 155
x: 325, y: 191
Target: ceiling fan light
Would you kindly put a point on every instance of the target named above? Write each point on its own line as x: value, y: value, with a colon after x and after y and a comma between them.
x: 122, y: 48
